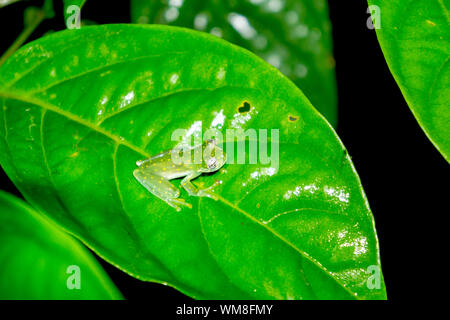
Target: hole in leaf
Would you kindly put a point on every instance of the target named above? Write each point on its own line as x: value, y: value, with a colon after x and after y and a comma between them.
x: 292, y: 118
x: 244, y: 108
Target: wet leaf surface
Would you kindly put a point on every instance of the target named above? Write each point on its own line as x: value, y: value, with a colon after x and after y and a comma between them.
x: 292, y: 35
x: 80, y: 107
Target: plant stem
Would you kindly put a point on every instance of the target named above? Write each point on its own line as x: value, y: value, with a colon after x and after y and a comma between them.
x: 23, y: 36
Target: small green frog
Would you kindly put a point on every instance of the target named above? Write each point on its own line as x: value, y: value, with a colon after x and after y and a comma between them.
x: 154, y: 173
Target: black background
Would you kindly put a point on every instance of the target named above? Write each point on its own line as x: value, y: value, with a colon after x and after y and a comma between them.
x: 402, y: 173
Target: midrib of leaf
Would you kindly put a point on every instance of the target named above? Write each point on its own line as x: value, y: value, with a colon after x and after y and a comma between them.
x: 50, y: 175
x: 210, y: 250
x: 135, y: 234
x: 23, y: 96
x: 285, y: 241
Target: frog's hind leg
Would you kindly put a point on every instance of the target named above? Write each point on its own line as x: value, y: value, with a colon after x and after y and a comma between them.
x: 198, y: 192
x: 161, y: 188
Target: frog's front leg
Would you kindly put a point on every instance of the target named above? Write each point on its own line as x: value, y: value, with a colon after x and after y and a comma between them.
x: 194, y: 191
x: 160, y: 187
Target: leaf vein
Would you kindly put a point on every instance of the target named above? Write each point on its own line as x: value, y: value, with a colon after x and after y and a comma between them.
x: 287, y: 242
x: 104, y: 67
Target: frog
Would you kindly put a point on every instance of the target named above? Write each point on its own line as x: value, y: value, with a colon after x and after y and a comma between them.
x: 156, y: 172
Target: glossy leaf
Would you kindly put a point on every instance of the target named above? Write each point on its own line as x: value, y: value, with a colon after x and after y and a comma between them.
x: 81, y: 106
x: 40, y: 261
x: 292, y: 35
x: 415, y: 39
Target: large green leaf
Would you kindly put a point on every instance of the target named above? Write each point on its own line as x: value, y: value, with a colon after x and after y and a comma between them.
x: 415, y: 39
x: 39, y: 261
x: 293, y: 35
x: 81, y: 106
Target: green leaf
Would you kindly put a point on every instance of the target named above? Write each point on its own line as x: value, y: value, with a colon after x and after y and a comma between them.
x: 39, y: 261
x: 415, y: 39
x: 295, y: 36
x: 81, y: 106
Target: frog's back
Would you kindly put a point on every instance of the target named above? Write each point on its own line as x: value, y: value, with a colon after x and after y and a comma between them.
x: 162, y: 165
x: 162, y: 157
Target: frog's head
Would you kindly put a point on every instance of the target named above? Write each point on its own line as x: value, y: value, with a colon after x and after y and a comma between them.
x: 213, y: 157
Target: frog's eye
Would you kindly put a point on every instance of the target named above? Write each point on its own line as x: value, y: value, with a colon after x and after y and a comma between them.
x: 211, y: 163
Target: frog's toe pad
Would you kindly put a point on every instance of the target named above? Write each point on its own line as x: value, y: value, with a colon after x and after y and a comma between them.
x: 207, y: 193
x: 179, y: 201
